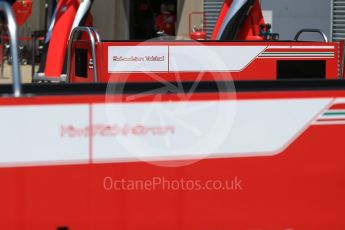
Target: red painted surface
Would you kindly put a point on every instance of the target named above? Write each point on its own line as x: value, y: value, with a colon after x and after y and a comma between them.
x: 250, y: 29
x: 251, y: 26
x: 222, y: 15
x: 302, y: 188
x: 67, y: 10
x: 198, y: 35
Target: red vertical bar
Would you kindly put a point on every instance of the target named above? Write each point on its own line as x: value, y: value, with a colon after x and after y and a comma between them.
x: 342, y: 59
x: 67, y: 10
x: 221, y: 18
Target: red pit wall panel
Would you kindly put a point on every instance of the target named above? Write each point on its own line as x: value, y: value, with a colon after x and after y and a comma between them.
x: 252, y: 65
x: 300, y: 188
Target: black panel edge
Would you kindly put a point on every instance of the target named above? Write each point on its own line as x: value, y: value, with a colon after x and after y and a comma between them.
x: 202, y: 87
